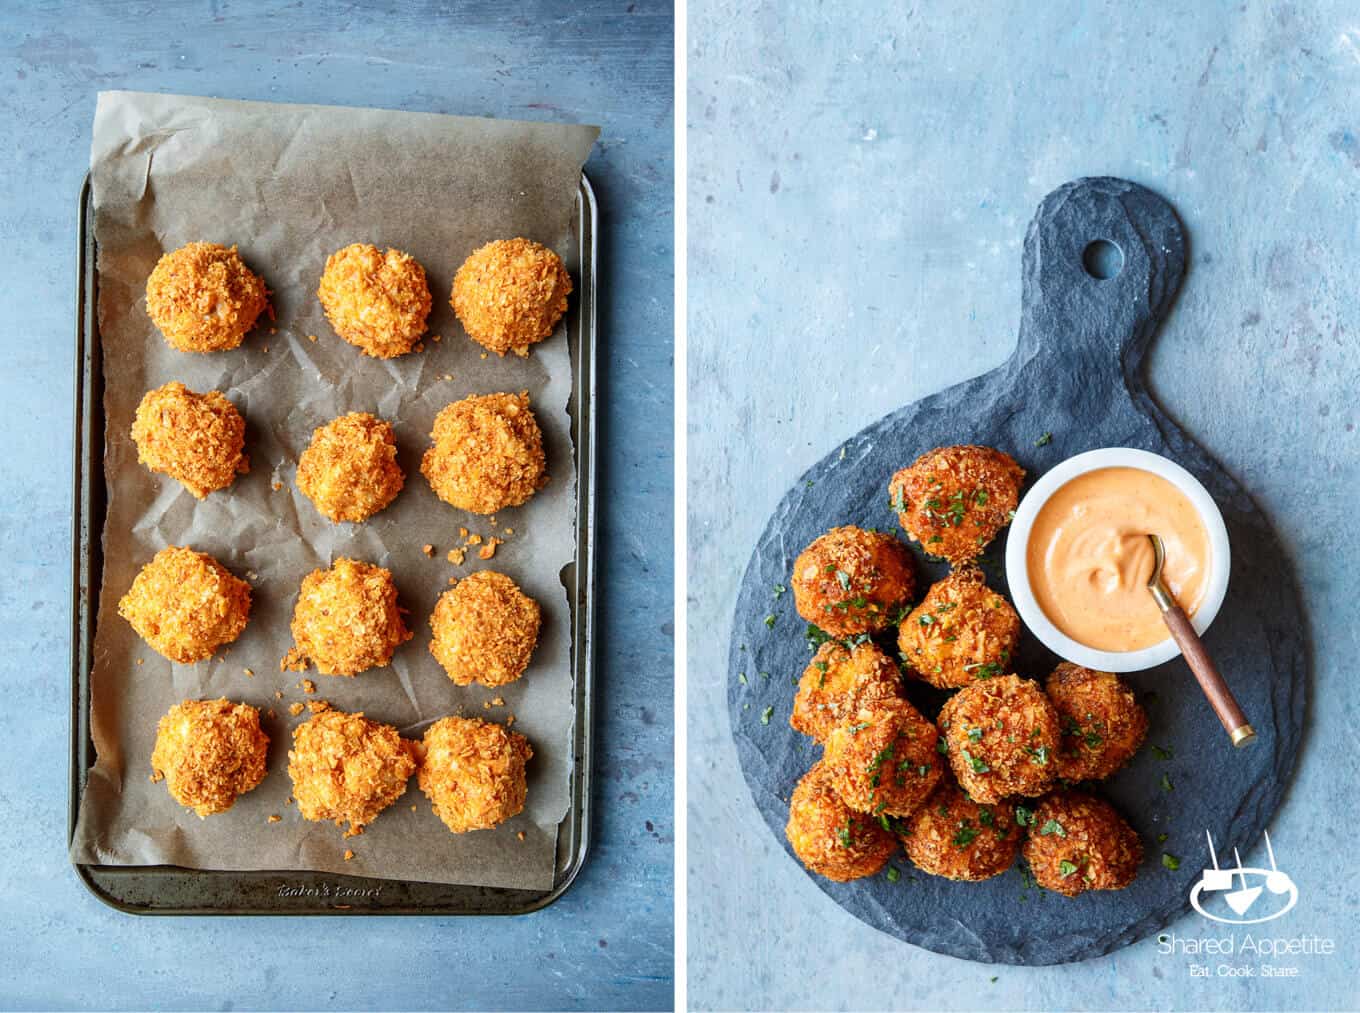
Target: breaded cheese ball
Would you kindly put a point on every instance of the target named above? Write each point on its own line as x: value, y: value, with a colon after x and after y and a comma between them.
x: 510, y: 294
x: 851, y: 581
x: 346, y: 620
x: 485, y: 630
x: 954, y: 837
x: 376, y: 301
x: 473, y: 772
x: 203, y: 298
x: 1002, y: 738
x: 884, y: 759
x: 961, y: 631
x: 828, y: 837
x: 1078, y: 842
x: 196, y: 439
x: 347, y: 768
x: 209, y: 752
x: 349, y: 471
x: 1102, y: 723
x: 186, y: 605
x: 954, y: 500
x: 487, y: 453
x: 838, y: 683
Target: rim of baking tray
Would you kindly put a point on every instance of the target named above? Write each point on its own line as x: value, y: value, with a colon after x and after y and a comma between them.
x: 1017, y: 574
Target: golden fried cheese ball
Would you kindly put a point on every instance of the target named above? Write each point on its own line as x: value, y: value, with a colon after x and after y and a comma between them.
x: 473, y: 772
x: 828, y: 837
x: 203, y: 298
x: 961, y: 631
x: 209, y: 752
x: 350, y: 470
x: 851, y: 581
x: 1102, y: 724
x: 376, y: 301
x: 346, y: 620
x: 954, y: 837
x: 196, y: 439
x: 1078, y: 842
x: 954, y: 500
x: 347, y: 768
x: 1002, y: 738
x: 510, y: 294
x: 186, y: 605
x: 487, y: 453
x: 884, y: 759
x: 838, y: 684
x: 485, y: 630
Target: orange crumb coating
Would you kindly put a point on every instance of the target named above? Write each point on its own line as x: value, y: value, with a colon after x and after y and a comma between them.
x: 209, y: 752
x: 376, y: 301
x: 346, y: 620
x: 851, y: 581
x: 203, y: 298
x: 196, y: 439
x: 186, y: 605
x: 487, y: 453
x: 485, y: 630
x: 837, y: 683
x: 1102, y: 722
x: 954, y: 837
x: 347, y: 768
x: 1002, y: 738
x: 473, y: 772
x: 1078, y: 842
x: 828, y: 837
x: 350, y: 470
x: 954, y: 500
x: 509, y: 294
x: 883, y: 760
x: 962, y: 631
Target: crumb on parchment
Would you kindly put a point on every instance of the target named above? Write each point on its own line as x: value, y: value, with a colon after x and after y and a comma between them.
x: 274, y: 817
x: 249, y: 673
x: 489, y: 549
x: 294, y: 661
x: 456, y: 556
x: 307, y: 686
x: 317, y: 706
x: 295, y: 709
x: 348, y: 854
x: 428, y: 549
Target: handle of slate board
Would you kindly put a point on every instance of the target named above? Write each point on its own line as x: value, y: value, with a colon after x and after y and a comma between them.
x: 1099, y: 326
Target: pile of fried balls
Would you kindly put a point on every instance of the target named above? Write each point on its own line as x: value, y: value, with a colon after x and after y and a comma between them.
x: 486, y: 455
x: 995, y: 775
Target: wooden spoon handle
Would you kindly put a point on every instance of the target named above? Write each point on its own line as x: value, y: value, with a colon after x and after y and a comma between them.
x: 1219, y: 695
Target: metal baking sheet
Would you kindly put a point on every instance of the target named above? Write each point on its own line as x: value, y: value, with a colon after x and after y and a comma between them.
x: 173, y: 890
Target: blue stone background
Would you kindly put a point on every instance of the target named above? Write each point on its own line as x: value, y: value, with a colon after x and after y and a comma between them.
x: 608, y: 942
x: 860, y: 180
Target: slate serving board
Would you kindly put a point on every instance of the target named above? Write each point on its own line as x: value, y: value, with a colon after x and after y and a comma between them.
x: 1077, y: 373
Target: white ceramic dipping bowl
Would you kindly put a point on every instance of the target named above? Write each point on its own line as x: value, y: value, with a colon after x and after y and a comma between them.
x: 1022, y: 594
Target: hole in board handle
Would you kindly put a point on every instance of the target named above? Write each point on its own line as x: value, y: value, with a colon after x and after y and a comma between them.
x: 1102, y: 259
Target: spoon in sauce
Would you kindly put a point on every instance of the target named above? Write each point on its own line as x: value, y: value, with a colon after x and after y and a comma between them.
x: 1196, y: 655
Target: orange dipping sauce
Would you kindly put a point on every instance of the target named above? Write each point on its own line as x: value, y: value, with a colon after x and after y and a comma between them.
x: 1089, y: 558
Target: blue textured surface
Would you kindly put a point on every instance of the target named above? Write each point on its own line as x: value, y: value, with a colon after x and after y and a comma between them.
x: 607, y: 943
x: 860, y: 182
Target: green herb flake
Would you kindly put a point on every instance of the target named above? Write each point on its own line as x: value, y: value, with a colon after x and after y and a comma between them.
x: 765, y: 715
x: 1044, y: 440
x: 1066, y: 868
x: 1051, y: 827
x: 1024, y: 816
x: 1170, y: 861
x: 741, y: 678
x: 1161, y: 752
x: 1166, y: 784
x: 779, y: 589
x: 893, y: 874
x: 769, y: 621
x: 965, y: 836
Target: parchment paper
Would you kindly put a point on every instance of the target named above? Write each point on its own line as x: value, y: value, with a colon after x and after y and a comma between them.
x: 289, y: 185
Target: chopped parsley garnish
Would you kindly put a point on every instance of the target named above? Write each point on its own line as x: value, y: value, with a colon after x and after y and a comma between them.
x: 980, y: 497
x: 1161, y: 752
x: 1024, y: 816
x: 765, y: 715
x: 1051, y: 827
x: 965, y: 836
x: 843, y: 835
x: 1044, y: 440
x: 985, y: 817
x: 843, y: 579
x: 975, y: 735
x: 769, y: 621
x: 779, y: 589
x: 926, y: 619
x: 1039, y: 756
x: 983, y: 670
x: 1166, y: 784
x: 1092, y: 740
x: 1161, y: 838
x: 821, y: 666
x: 893, y: 874
x: 899, y: 500
x: 978, y: 764
x: 941, y: 746
x: 1067, y: 868
x: 741, y: 678
x: 1170, y: 861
